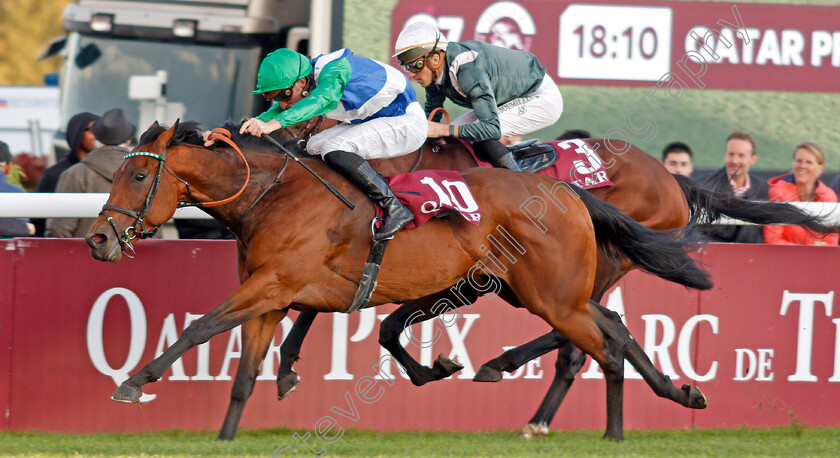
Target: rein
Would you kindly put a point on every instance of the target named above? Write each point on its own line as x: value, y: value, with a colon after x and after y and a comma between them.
x: 131, y: 232
x: 305, y: 133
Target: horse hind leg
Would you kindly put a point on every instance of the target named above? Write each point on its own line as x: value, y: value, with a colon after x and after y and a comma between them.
x: 256, y: 337
x: 616, y: 340
x: 513, y: 359
x: 596, y: 336
x: 687, y: 396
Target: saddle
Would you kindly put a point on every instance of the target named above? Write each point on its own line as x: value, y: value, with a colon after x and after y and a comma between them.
x: 533, y: 156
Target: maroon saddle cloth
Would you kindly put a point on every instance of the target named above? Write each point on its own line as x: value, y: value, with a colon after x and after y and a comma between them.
x: 574, y: 161
x: 434, y: 193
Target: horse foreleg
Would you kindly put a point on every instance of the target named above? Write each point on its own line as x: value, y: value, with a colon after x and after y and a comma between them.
x: 413, y: 312
x: 569, y: 362
x: 256, y: 337
x: 249, y: 301
x: 287, y: 379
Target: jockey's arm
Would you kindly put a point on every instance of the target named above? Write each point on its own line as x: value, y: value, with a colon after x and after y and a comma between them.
x: 323, y: 98
x: 476, y: 85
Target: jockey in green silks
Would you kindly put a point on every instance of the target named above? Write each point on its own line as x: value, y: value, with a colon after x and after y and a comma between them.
x: 509, y: 92
x: 378, y: 109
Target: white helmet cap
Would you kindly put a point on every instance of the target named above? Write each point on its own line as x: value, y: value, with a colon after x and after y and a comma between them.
x: 417, y: 39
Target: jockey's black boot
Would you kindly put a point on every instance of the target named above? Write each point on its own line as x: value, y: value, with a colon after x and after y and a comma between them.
x: 359, y: 172
x: 497, y: 154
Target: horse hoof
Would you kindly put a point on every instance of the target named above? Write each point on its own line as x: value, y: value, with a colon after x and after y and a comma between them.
x: 487, y: 374
x: 286, y: 385
x: 127, y: 393
x: 446, y: 365
x: 533, y: 430
x: 696, y: 399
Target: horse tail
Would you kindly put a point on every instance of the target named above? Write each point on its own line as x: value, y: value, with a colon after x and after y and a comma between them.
x: 707, y: 206
x: 662, y: 253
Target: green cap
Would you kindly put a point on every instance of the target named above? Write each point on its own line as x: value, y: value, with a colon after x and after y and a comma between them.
x: 281, y: 69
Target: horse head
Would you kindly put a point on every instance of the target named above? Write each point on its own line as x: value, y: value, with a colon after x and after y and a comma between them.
x: 142, y: 198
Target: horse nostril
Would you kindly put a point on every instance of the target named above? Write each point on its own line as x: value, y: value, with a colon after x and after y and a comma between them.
x: 97, y: 238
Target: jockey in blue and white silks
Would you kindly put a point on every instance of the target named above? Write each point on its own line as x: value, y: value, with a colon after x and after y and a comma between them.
x: 378, y: 109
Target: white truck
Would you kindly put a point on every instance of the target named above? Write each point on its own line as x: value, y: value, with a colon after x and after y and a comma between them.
x: 193, y: 59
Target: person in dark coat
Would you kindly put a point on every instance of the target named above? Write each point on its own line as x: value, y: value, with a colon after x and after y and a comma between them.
x: 94, y: 173
x: 735, y: 179
x: 81, y: 141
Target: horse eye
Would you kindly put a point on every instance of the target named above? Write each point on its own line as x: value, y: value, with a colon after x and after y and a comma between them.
x: 139, y: 176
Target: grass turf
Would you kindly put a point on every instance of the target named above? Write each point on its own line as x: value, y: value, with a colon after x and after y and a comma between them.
x: 784, y: 441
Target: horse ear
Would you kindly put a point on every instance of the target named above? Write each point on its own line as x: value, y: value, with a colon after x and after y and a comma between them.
x: 154, y: 124
x: 166, y: 137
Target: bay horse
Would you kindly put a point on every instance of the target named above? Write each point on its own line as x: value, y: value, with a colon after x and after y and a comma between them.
x: 642, y: 188
x: 324, y: 277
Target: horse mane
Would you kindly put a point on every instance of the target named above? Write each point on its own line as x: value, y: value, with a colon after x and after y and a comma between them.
x: 190, y: 133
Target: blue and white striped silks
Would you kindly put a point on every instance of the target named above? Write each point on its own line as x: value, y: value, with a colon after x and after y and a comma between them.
x: 375, y: 90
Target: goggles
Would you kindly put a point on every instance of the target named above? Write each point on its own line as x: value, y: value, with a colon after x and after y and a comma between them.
x: 415, y: 65
x: 282, y: 95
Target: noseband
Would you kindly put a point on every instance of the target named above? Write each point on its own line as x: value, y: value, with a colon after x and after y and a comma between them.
x: 131, y: 232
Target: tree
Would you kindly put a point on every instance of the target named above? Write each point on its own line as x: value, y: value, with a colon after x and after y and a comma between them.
x: 25, y: 27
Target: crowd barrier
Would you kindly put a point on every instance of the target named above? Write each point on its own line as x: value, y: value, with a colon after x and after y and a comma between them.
x: 763, y: 345
x: 88, y: 205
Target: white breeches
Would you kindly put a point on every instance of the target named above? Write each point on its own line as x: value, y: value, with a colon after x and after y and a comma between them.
x: 377, y: 138
x: 537, y: 110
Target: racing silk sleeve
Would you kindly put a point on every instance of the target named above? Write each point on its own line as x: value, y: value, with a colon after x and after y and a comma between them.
x: 475, y: 84
x: 324, y: 98
x: 434, y: 99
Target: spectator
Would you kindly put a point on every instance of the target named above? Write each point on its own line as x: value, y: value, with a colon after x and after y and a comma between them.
x: 735, y: 179
x: 803, y: 185
x: 835, y: 185
x: 573, y: 134
x: 95, y: 172
x: 81, y: 142
x: 677, y: 157
x: 11, y: 227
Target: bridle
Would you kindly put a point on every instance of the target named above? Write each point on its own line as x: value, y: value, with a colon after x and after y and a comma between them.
x: 131, y: 232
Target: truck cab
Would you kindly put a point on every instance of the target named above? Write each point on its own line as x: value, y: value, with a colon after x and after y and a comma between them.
x: 190, y: 59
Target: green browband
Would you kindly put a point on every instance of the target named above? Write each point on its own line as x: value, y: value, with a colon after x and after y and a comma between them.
x: 143, y: 153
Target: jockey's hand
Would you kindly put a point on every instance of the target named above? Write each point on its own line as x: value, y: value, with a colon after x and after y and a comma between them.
x: 208, y: 142
x: 437, y: 130
x: 257, y: 128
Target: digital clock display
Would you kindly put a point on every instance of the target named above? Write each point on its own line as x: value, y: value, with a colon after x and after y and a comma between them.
x: 631, y: 43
